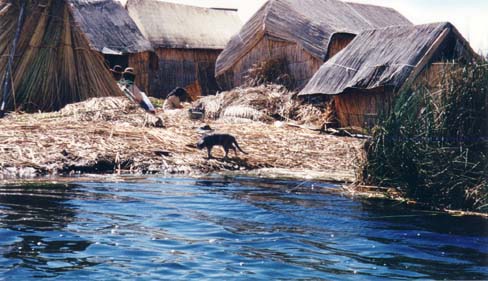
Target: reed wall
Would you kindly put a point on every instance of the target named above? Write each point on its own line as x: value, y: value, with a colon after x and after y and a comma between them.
x: 338, y: 42
x: 301, y: 64
x: 362, y: 108
x: 141, y: 62
x: 190, y: 69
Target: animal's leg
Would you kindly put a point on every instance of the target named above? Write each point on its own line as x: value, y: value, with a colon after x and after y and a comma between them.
x: 226, y: 150
x: 209, y: 151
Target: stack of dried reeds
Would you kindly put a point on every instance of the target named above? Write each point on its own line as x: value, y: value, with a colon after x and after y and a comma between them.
x: 265, y: 103
x: 54, y: 64
x: 7, y: 30
x: 257, y: 103
x: 272, y: 71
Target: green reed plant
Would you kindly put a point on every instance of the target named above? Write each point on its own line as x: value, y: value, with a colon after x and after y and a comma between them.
x: 433, y: 145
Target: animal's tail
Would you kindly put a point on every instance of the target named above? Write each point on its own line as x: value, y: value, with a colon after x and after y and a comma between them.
x: 238, y: 147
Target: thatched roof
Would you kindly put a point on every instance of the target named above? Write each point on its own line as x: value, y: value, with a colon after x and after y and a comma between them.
x: 108, y: 26
x: 387, y: 57
x: 169, y: 25
x: 309, y: 23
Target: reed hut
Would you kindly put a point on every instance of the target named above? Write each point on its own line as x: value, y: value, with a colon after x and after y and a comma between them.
x: 187, y: 41
x: 302, y: 33
x: 51, y: 51
x: 365, y: 77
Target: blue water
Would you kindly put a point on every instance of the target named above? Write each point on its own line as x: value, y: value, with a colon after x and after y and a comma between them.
x: 228, y: 229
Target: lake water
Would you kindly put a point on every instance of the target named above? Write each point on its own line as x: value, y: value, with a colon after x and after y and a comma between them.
x: 228, y: 229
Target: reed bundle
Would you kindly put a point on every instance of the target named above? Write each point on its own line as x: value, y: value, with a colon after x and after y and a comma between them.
x: 265, y: 103
x: 54, y: 64
x: 272, y: 71
x: 113, y: 135
x: 7, y: 30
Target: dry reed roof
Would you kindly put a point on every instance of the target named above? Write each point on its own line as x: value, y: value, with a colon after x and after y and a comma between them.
x: 386, y: 57
x: 309, y: 23
x: 169, y: 25
x: 108, y: 26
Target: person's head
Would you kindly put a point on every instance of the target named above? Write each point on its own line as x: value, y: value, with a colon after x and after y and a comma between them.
x: 181, y: 93
x: 129, y: 74
x: 117, y: 72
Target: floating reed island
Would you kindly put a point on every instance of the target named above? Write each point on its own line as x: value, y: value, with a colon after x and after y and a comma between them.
x: 112, y: 135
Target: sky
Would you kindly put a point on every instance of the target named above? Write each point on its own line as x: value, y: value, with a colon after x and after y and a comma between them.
x: 469, y: 16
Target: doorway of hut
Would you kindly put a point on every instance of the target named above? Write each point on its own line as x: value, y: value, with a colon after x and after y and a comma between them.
x: 206, y: 78
x: 113, y: 60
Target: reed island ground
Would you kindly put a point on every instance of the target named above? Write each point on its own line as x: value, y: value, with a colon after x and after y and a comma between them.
x: 111, y: 135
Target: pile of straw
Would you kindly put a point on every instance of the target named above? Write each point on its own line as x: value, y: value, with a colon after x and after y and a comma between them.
x: 112, y: 135
x: 272, y: 71
x: 264, y: 103
x: 256, y: 103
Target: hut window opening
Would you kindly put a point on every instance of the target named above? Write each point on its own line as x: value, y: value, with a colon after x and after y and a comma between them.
x: 207, y: 79
x: 338, y: 42
x: 113, y: 60
x: 153, y: 61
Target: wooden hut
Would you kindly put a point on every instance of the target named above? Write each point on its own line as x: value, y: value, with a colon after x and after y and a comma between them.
x: 364, y: 78
x: 57, y: 59
x: 302, y: 33
x: 187, y: 41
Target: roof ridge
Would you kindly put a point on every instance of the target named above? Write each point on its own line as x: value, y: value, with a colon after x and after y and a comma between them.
x: 164, y: 3
x: 357, y: 13
x: 269, y: 5
x: 371, y: 5
x: 441, y: 23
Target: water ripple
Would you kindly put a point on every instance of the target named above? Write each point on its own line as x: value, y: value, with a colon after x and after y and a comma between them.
x: 239, y: 229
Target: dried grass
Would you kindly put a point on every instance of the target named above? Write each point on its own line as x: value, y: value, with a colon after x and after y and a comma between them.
x: 272, y: 71
x: 265, y: 103
x: 105, y: 134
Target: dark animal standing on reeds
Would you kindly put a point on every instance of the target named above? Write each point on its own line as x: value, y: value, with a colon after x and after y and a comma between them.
x: 175, y: 98
x: 225, y: 140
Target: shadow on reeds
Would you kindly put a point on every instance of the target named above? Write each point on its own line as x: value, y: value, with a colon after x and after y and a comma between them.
x: 433, y: 145
x: 273, y: 71
x: 100, y: 166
